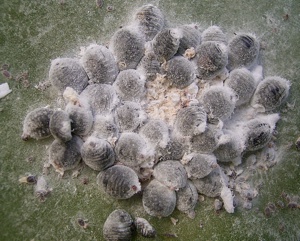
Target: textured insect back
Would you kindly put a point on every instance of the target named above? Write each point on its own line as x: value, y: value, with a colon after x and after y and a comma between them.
x: 97, y: 153
x: 118, y: 181
x: 270, y: 93
x: 105, y: 127
x: 158, y: 200
x: 128, y: 47
x: 64, y: 156
x: 173, y: 151
x: 36, y: 124
x: 166, y: 43
x: 214, y: 33
x: 60, y: 125
x: 99, y: 64
x: 243, y: 51
x: 144, y: 228
x: 179, y: 72
x: 149, y: 65
x: 191, y: 37
x: 243, y: 83
x: 150, y: 20
x: 211, y: 59
x: 130, y: 85
x: 67, y: 72
x: 118, y: 226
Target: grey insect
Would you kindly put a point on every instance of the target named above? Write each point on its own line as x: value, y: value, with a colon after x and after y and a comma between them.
x: 118, y: 226
x: 130, y: 116
x: 166, y: 43
x: 243, y: 51
x: 67, y: 72
x: 214, y: 33
x: 81, y: 119
x: 127, y: 45
x: 270, y: 93
x: 207, y: 141
x: 211, y: 59
x: 105, y: 127
x: 179, y: 72
x: 99, y: 64
x: 36, y: 124
x: 156, y: 132
x: 173, y: 151
x: 64, y: 156
x: 144, y: 228
x: 150, y: 20
x: 190, y: 121
x: 97, y: 153
x: 218, y: 102
x: 133, y: 151
x: 170, y: 173
x: 149, y: 65
x: 243, y: 83
x: 187, y: 199
x: 119, y: 181
x: 60, y: 125
x: 191, y: 37
x: 158, y: 200
x: 210, y: 185
x: 102, y: 98
x: 42, y: 189
x: 198, y: 165
x: 130, y: 85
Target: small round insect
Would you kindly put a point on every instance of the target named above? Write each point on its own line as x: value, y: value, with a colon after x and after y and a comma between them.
x: 144, y: 228
x: 270, y: 93
x: 133, y: 151
x: 127, y: 45
x: 119, y: 181
x: 171, y: 173
x: 166, y: 43
x: 60, y: 125
x: 156, y: 132
x: 36, y: 124
x: 130, y: 85
x: 179, y: 72
x: 243, y: 51
x: 158, y: 200
x: 187, y: 199
x: 118, y: 226
x: 99, y: 64
x: 243, y: 83
x: 210, y: 185
x: 211, y: 59
x: 105, y: 127
x: 218, y: 204
x: 42, y: 189
x: 97, y: 153
x: 191, y: 37
x: 190, y: 121
x: 218, y: 101
x: 207, y: 141
x: 173, y: 151
x: 198, y: 165
x: 66, y: 72
x: 150, y: 20
x: 29, y: 179
x: 130, y: 116
x: 214, y: 33
x: 64, y: 156
x: 102, y: 98
x: 149, y: 65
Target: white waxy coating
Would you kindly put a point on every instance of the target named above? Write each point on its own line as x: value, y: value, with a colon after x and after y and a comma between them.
x: 99, y: 64
x: 214, y: 33
x: 158, y: 200
x: 105, y: 127
x: 118, y: 181
x: 171, y: 173
x: 191, y: 37
x: 60, y: 125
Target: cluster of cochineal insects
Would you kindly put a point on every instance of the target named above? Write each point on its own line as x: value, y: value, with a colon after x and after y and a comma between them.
x: 106, y: 122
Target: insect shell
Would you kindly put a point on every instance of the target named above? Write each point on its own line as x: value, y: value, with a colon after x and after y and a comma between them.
x: 97, y: 153
x: 214, y: 33
x: 149, y: 65
x: 36, y: 124
x: 144, y: 228
x: 42, y: 189
x: 270, y: 93
x: 118, y: 226
x: 99, y: 64
x: 127, y: 45
x: 158, y: 200
x: 191, y: 37
x: 60, y: 125
x: 150, y: 20
x: 105, y: 127
x: 173, y: 151
x: 66, y: 72
x: 119, y: 181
